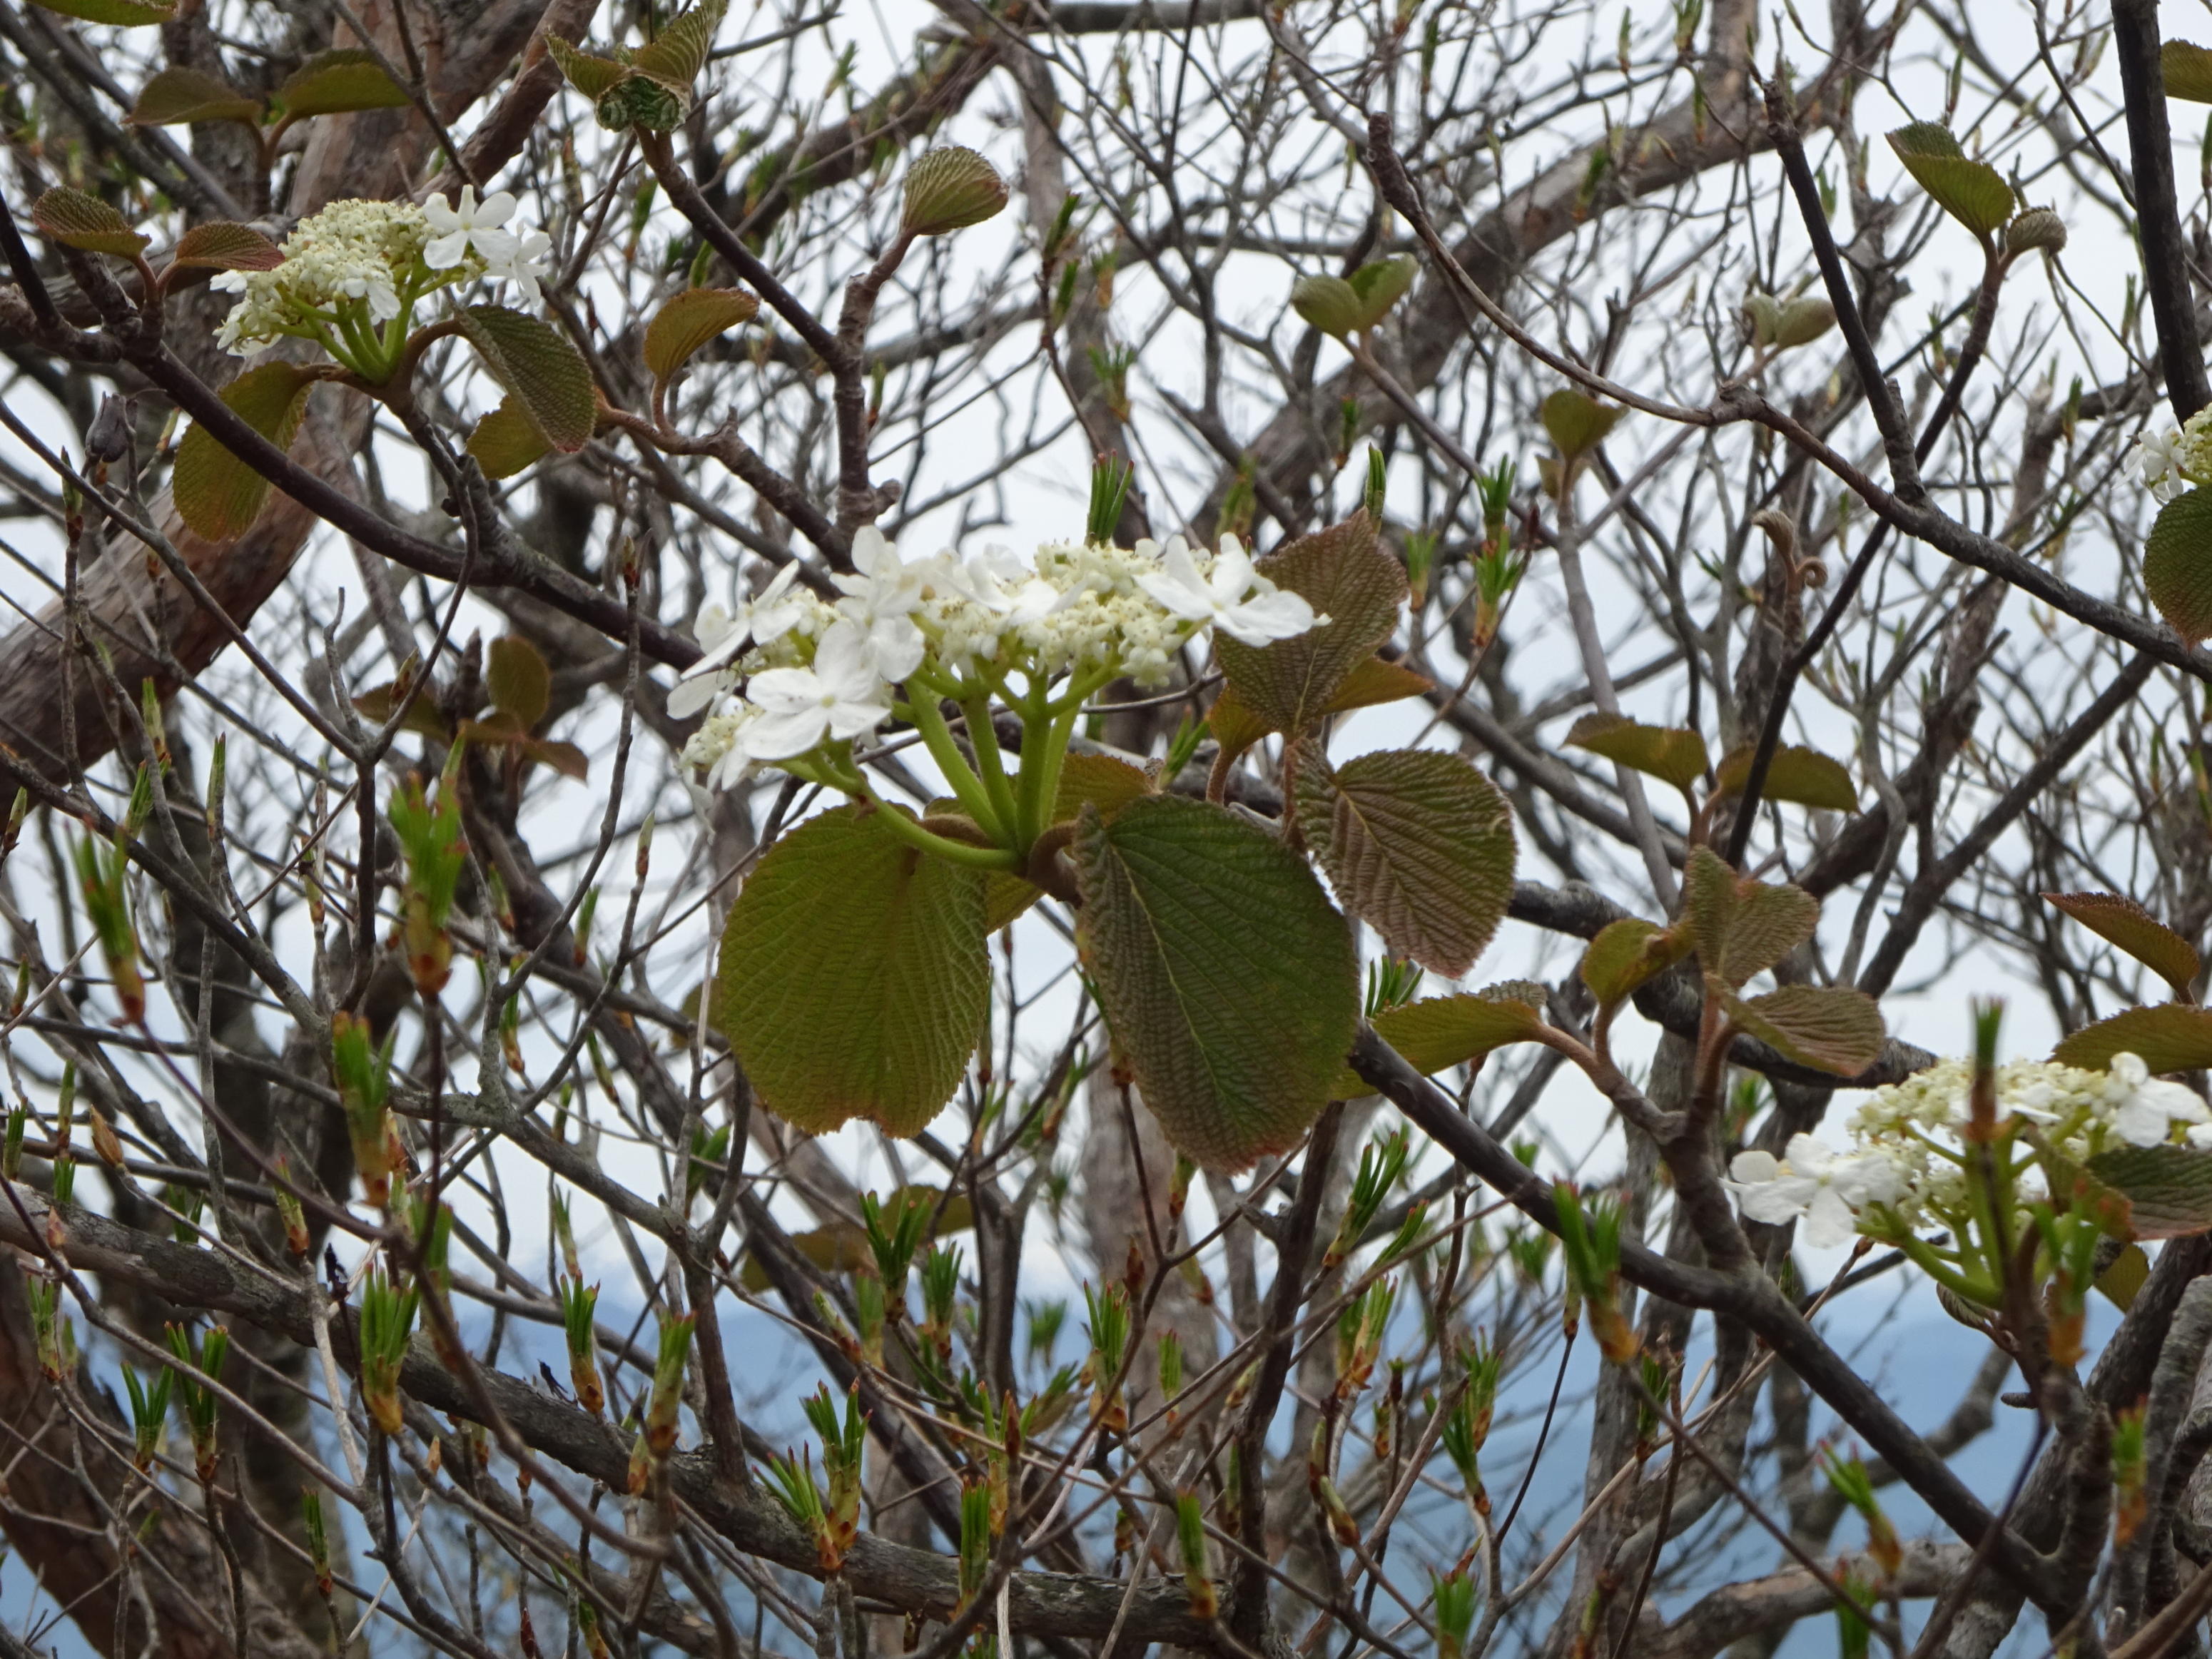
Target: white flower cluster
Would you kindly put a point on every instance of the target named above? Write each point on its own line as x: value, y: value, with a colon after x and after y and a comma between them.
x: 818, y: 673
x: 1907, y: 1160
x: 2170, y: 462
x: 359, y: 260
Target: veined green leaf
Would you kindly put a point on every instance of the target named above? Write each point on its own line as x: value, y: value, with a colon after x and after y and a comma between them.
x: 1740, y: 926
x: 546, y: 375
x: 1349, y: 580
x: 216, y: 495
x: 2177, y: 564
x: 689, y: 321
x: 2168, y: 1189
x: 86, y: 223
x: 1832, y: 1028
x: 176, y: 95
x: 1629, y: 953
x: 2134, y: 930
x: 1804, y: 776
x: 1972, y: 192
x: 2170, y: 1037
x: 1668, y: 752
x: 337, y: 82
x: 506, y: 441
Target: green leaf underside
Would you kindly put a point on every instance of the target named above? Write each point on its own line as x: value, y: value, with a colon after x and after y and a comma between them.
x: 855, y: 977
x: 546, y: 374
x: 176, y: 95
x: 1439, y: 1033
x: 1803, y: 777
x: 2186, y: 69
x: 1417, y: 844
x: 1671, y: 753
x: 679, y: 52
x: 949, y: 188
x: 85, y: 223
x: 1576, y: 423
x: 216, y: 495
x: 1972, y: 192
x: 1830, y: 1028
x: 2123, y: 922
x: 1347, y: 578
x: 2177, y: 565
x: 2168, y: 1189
x: 1228, y: 980
x: 683, y: 326
x: 592, y: 75
x: 518, y: 679
x: 1627, y: 954
x: 219, y: 245
x: 506, y: 441
x: 1742, y: 927
x: 2170, y: 1037
x: 127, y: 13
x: 337, y: 82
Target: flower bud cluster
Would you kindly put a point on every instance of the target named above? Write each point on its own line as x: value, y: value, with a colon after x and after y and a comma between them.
x: 1905, y: 1167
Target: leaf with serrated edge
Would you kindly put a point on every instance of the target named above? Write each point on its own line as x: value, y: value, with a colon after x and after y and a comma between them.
x: 1439, y: 1033
x: 1349, y: 580
x: 338, y: 82
x: 1830, y: 1028
x: 1373, y: 681
x: 2134, y: 930
x: 1227, y: 981
x: 676, y: 54
x: 85, y: 223
x: 592, y: 75
x: 2186, y: 69
x: 1418, y: 844
x: 1805, y: 777
x: 1667, y: 752
x: 126, y: 14
x: 1972, y: 192
x: 546, y: 375
x: 516, y: 676
x: 506, y: 440
x: 2169, y: 1037
x: 220, y: 245
x: 855, y: 977
x: 689, y: 321
x: 177, y: 96
x: 2177, y: 564
x: 2168, y: 1189
x: 216, y: 494
x: 1098, y: 780
x: 1741, y: 927
x: 1627, y: 954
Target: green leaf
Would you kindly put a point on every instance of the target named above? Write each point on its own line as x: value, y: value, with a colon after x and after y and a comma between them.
x: 127, y: 14
x: 1803, y: 320
x: 1417, y: 844
x: 949, y: 188
x: 1972, y: 192
x: 506, y: 440
x: 502, y: 729
x: 2177, y: 566
x: 689, y: 321
x: 1328, y: 303
x: 679, y: 52
x: 855, y: 976
x: 1439, y: 1033
x: 1228, y: 980
x: 337, y: 82
x: 2186, y: 69
x: 2169, y: 1037
x: 546, y: 375
x: 1098, y: 780
x: 1669, y: 752
x: 2134, y: 930
x: 85, y: 223
x: 1740, y: 926
x: 216, y: 495
x: 2168, y: 1189
x: 1627, y: 954
x: 2124, y: 1277
x: 519, y: 682
x: 1576, y: 423
x: 219, y: 245
x: 1235, y: 726
x: 379, y: 703
x: 177, y: 96
x: 592, y: 75
x: 2037, y: 230
x: 1832, y: 1028
x: 1347, y: 579
x: 1380, y: 284
x: 1804, y: 776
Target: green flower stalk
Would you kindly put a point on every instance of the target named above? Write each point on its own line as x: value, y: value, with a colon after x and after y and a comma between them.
x: 149, y: 1409
x: 199, y: 1399
x: 360, y: 1067
x: 103, y: 870
x: 1455, y: 1610
x: 431, y: 835
x: 1381, y: 1164
x: 667, y: 1403
x: 1853, y: 1636
x: 387, y: 1324
x: 843, y: 1445
x: 1197, y: 1561
x: 1589, y: 1238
